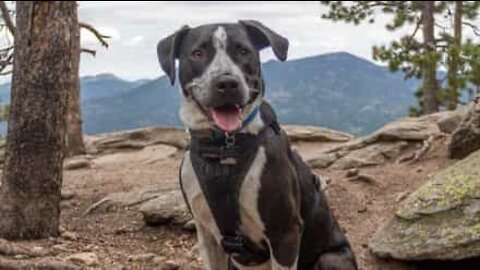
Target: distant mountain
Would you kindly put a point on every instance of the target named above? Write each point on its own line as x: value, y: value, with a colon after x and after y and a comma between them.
x: 93, y: 87
x: 105, y: 85
x: 337, y: 90
x: 150, y: 104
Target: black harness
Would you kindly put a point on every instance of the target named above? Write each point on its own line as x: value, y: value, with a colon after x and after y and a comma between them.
x: 221, y: 162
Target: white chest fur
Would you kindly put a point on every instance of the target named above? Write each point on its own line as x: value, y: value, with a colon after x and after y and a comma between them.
x: 252, y: 224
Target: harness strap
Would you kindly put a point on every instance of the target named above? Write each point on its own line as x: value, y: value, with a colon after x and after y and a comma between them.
x: 221, y: 168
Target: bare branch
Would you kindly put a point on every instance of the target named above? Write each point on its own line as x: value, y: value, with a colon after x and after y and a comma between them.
x: 101, y: 38
x: 417, y: 27
x: 475, y: 29
x: 7, y: 18
x: 89, y: 51
x: 5, y: 63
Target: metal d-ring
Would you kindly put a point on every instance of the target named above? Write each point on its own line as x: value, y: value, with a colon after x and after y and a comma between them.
x: 229, y: 140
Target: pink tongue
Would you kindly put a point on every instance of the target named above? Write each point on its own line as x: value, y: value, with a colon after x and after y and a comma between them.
x: 227, y: 120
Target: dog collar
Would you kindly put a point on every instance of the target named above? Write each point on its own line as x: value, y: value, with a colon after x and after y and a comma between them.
x: 250, y: 117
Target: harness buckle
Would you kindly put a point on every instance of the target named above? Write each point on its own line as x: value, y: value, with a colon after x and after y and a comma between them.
x: 229, y: 140
x: 233, y: 244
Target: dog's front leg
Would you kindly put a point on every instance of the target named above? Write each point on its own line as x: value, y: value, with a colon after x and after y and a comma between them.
x: 212, y: 254
x: 285, y: 248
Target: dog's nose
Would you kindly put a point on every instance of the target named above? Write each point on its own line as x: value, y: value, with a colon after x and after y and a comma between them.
x: 226, y: 84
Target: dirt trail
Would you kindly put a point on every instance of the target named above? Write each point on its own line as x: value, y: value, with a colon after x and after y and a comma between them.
x: 121, y: 240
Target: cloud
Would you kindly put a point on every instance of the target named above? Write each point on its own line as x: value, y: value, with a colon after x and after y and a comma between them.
x: 135, y: 41
x: 89, y: 39
x: 137, y: 26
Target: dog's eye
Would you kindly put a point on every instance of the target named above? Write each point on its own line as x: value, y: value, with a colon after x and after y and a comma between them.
x: 243, y: 51
x: 198, y: 55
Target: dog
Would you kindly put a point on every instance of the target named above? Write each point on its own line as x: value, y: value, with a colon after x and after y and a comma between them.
x: 255, y: 203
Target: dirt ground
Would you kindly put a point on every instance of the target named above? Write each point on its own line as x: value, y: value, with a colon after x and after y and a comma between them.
x: 122, y: 241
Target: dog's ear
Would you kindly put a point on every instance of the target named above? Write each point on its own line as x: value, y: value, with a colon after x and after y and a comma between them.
x: 263, y: 37
x: 168, y: 50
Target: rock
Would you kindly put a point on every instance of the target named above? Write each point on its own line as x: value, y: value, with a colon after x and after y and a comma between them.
x: 127, y: 199
x: 48, y: 263
x: 158, y: 205
x: 440, y: 220
x: 466, y: 139
x: 85, y: 258
x: 386, y: 144
x: 322, y: 160
x: 411, y: 128
x: 147, y: 257
x: 147, y: 155
x: 89, y: 142
x: 138, y: 139
x: 374, y: 154
x: 363, y: 178
x: 10, y: 248
x: 60, y: 248
x: 76, y: 163
x: 352, y: 172
x: 170, y: 265
x: 158, y: 260
x: 71, y: 236
x: 169, y: 207
x: 449, y: 123
x: 117, y: 266
x: 316, y: 134
x: 68, y: 195
x: 401, y: 196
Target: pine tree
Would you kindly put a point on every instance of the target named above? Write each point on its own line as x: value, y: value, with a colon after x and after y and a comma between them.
x: 421, y: 58
x: 45, y: 47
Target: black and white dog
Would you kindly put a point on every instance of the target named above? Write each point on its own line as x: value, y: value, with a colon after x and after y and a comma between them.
x: 255, y: 203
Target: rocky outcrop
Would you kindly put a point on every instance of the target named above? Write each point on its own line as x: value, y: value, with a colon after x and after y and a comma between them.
x: 386, y: 144
x: 140, y: 138
x: 136, y: 139
x: 316, y: 134
x: 466, y: 138
x: 441, y: 220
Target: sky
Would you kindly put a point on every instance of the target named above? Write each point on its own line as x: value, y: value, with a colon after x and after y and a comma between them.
x: 136, y: 27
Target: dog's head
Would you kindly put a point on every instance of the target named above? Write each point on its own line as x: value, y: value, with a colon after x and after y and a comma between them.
x: 219, y: 70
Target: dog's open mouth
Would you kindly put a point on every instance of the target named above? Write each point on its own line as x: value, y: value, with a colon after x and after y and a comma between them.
x: 227, y: 118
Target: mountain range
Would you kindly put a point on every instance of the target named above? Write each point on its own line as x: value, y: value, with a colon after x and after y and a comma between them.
x: 337, y: 90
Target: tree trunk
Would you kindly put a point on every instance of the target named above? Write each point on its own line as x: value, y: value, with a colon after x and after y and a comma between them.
x: 74, y: 140
x: 429, y: 68
x: 454, y: 59
x: 45, y: 49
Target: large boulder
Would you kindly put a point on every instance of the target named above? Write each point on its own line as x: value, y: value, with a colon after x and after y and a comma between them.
x: 441, y: 220
x: 159, y: 205
x: 466, y: 138
x: 450, y: 122
x: 168, y: 207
